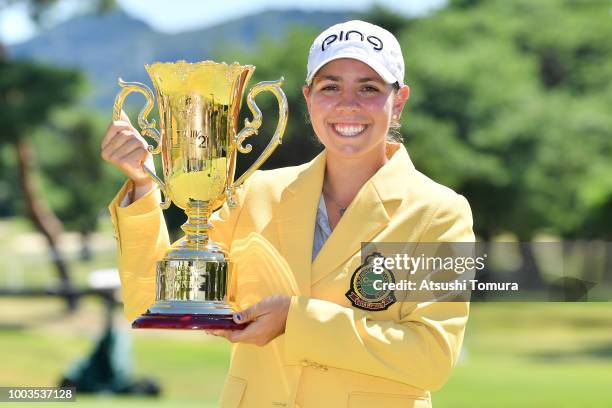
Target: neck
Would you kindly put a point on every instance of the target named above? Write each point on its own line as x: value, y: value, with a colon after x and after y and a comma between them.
x: 344, y: 177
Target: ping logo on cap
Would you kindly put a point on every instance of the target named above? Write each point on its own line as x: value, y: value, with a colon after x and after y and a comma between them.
x: 376, y: 42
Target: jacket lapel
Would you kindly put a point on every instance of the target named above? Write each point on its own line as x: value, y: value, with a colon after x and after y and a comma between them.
x: 296, y: 220
x: 368, y: 214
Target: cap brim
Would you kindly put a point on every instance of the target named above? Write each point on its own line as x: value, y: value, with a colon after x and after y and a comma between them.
x: 375, y: 65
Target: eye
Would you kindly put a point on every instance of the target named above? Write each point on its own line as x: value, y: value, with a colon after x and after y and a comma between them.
x: 369, y: 89
x: 329, y: 87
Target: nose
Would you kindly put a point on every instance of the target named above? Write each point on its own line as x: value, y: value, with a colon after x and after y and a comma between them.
x: 348, y: 102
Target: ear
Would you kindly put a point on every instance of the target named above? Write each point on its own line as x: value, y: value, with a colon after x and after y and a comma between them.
x: 401, y: 97
x: 306, y: 93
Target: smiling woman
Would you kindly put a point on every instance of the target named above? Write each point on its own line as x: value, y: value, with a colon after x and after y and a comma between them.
x: 295, y: 236
x: 351, y: 108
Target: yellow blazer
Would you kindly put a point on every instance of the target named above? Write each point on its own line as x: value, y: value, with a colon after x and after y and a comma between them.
x: 332, y: 354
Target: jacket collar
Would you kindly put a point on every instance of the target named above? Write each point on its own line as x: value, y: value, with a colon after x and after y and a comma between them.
x: 367, y: 215
x: 389, y: 180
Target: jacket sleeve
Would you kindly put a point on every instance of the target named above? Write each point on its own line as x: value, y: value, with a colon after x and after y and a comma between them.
x: 142, y: 240
x: 419, y: 348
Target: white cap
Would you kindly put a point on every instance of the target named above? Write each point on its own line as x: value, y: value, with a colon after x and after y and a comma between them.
x: 365, y: 42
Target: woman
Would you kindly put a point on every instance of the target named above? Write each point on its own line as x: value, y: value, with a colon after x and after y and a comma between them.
x: 295, y: 237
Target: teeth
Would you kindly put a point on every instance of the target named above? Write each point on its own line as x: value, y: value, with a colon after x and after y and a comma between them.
x: 349, y: 130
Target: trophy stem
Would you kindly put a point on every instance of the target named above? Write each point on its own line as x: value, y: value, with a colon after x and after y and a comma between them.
x: 197, y: 225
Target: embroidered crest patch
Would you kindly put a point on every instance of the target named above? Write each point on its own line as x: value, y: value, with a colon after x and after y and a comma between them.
x: 363, y: 292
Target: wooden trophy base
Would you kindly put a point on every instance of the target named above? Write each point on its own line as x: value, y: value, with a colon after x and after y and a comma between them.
x: 187, y: 322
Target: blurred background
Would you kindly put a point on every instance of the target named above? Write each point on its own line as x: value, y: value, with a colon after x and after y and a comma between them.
x: 510, y: 105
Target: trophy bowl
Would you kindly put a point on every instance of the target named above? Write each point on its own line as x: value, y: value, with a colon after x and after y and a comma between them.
x: 199, y: 104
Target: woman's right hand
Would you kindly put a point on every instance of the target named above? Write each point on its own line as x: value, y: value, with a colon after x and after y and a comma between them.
x: 126, y: 149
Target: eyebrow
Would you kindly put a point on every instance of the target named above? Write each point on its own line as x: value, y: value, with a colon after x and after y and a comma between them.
x: 339, y: 79
x: 328, y: 77
x: 368, y: 79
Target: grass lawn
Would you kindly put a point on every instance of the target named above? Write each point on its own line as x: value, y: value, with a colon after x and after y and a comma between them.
x: 515, y: 355
x: 190, y: 366
x: 534, y: 355
x: 531, y: 355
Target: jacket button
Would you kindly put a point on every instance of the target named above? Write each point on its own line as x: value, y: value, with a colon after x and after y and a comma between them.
x: 320, y: 366
x: 306, y: 363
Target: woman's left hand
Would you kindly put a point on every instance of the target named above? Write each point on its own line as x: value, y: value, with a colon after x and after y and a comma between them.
x: 267, y: 320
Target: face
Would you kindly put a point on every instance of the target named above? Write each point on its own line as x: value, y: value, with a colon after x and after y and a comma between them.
x: 351, y: 107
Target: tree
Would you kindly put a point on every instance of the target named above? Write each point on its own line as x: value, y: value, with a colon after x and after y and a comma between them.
x: 25, y: 90
x: 77, y: 180
x: 509, y: 106
x: 28, y: 94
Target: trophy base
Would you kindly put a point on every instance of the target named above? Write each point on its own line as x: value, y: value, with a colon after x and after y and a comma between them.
x: 187, y: 322
x: 188, y: 315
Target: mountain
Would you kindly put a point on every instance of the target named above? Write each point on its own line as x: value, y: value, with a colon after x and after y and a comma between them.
x: 111, y: 45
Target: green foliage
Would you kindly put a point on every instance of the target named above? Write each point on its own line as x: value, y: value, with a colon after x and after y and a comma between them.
x: 8, y: 182
x: 274, y: 59
x: 565, y: 362
x: 77, y: 181
x: 509, y: 106
x: 29, y: 92
x: 384, y: 17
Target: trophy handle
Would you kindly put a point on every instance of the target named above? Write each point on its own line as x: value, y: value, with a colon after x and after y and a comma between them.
x: 251, y: 128
x: 146, y: 128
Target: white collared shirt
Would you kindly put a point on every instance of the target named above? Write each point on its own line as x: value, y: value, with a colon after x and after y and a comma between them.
x: 322, y: 229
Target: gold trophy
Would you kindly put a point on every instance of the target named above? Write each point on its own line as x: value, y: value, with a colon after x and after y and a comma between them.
x: 198, y: 140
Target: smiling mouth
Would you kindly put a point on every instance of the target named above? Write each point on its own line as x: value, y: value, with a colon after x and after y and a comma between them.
x: 348, y: 130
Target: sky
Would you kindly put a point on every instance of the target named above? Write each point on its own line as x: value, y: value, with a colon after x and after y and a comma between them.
x: 183, y: 15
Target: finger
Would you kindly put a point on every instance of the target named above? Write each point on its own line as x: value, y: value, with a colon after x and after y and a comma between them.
x: 227, y: 334
x: 113, y: 129
x: 129, y: 146
x: 123, y: 138
x: 128, y: 156
x: 235, y: 336
x: 253, y: 334
x: 248, y: 314
x: 113, y: 149
x: 134, y: 158
x: 246, y: 335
